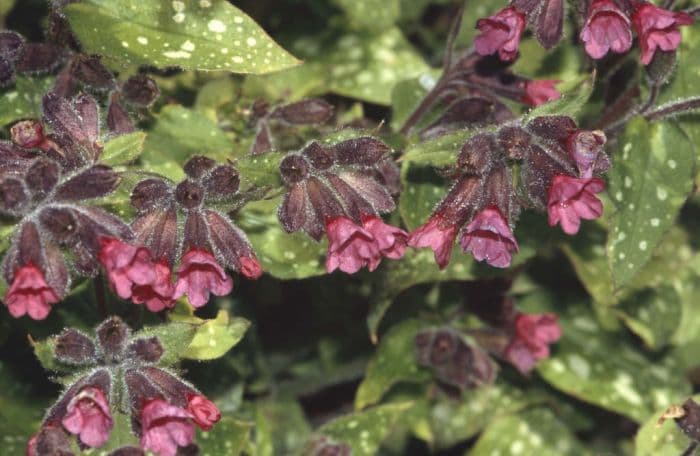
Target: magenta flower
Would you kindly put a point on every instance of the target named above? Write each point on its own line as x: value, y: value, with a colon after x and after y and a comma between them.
x: 126, y: 266
x: 350, y: 247
x: 436, y: 236
x: 657, y: 28
x: 572, y: 199
x: 204, y: 412
x: 165, y: 427
x: 540, y: 92
x: 586, y: 148
x: 199, y: 275
x: 500, y: 33
x: 30, y: 294
x: 390, y: 240
x: 533, y: 334
x: 157, y: 295
x: 606, y: 29
x: 88, y: 416
x: 488, y: 237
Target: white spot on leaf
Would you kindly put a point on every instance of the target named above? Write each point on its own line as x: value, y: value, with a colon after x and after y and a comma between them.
x: 216, y: 26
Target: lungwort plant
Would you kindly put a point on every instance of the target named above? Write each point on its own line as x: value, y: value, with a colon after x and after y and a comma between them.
x: 349, y: 227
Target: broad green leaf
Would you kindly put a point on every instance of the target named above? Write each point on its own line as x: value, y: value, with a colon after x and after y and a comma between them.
x: 406, y: 97
x: 660, y: 439
x: 123, y: 149
x: 120, y: 435
x: 394, y: 361
x: 202, y: 35
x: 653, y: 314
x: 229, y: 436
x: 423, y: 191
x: 368, y: 67
x: 575, y: 94
x: 6, y: 6
x: 280, y: 426
x: 178, y: 134
x: 283, y: 255
x: 606, y: 369
x: 453, y: 421
x: 649, y: 182
x: 364, y: 431
x: 214, y: 338
x: 371, y: 14
x: 23, y: 100
x: 215, y: 94
x: 175, y: 338
x: 21, y: 411
x: 535, y: 431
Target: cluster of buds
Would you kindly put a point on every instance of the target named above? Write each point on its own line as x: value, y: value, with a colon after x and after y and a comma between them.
x: 518, y: 338
x: 204, y: 243
x: 120, y: 373
x: 557, y: 167
x: 18, y: 56
x: 453, y: 361
x: 608, y: 27
x: 341, y: 190
x: 311, y: 111
x: 46, y: 183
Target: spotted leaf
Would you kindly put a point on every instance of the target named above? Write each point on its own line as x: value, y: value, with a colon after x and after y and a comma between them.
x: 201, y: 35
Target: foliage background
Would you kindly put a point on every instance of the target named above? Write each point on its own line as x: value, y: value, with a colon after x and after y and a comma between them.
x: 334, y: 355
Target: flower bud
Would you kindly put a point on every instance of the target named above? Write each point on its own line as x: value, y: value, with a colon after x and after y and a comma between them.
x: 478, y: 154
x: 514, y: 141
x: 13, y: 194
x: 74, y: 347
x: 363, y: 151
x: 112, y: 335
x: 148, y: 350
x: 223, y: 180
x: 149, y: 194
x: 320, y: 157
x: 42, y: 176
x: 198, y: 166
x: 189, y: 194
x: 90, y: 71
x: 27, y: 133
x: 294, y: 168
x: 304, y: 112
x: 140, y: 90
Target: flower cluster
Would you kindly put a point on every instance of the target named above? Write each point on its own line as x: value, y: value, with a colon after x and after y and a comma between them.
x: 341, y: 190
x: 121, y: 374
x: 608, y: 27
x: 19, y: 56
x: 520, y: 339
x: 453, y: 361
x: 558, y: 162
x: 203, y: 244
x: 46, y: 182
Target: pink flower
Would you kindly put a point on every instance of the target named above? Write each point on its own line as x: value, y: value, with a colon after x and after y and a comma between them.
x: 533, y: 334
x: 607, y: 28
x: 126, y: 266
x: 572, y: 199
x: 585, y: 147
x: 157, y: 295
x: 31, y: 445
x: 199, y: 275
x: 432, y: 234
x: 657, y: 28
x: 204, y: 412
x: 88, y: 416
x: 500, y: 32
x: 30, y: 294
x: 488, y: 237
x: 165, y: 427
x: 390, y: 240
x: 350, y: 247
x: 540, y: 92
x: 250, y: 267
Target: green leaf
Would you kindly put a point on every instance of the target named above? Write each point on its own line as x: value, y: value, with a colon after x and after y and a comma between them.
x: 175, y: 338
x: 406, y: 97
x: 440, y: 151
x: 536, y: 431
x: 24, y: 99
x: 123, y: 149
x: 394, y: 361
x: 261, y: 170
x: 280, y: 426
x: 371, y: 14
x: 204, y: 35
x: 649, y: 182
x: 423, y: 191
x: 229, y: 436
x: 575, y: 94
x: 605, y: 368
x: 283, y: 255
x: 653, y: 314
x: 178, y: 134
x: 21, y: 411
x: 6, y: 6
x: 120, y: 435
x: 454, y: 421
x: 653, y: 439
x: 364, y: 431
x: 368, y: 67
x: 214, y: 338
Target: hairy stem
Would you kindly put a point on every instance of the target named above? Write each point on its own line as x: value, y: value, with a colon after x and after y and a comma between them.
x: 671, y: 109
